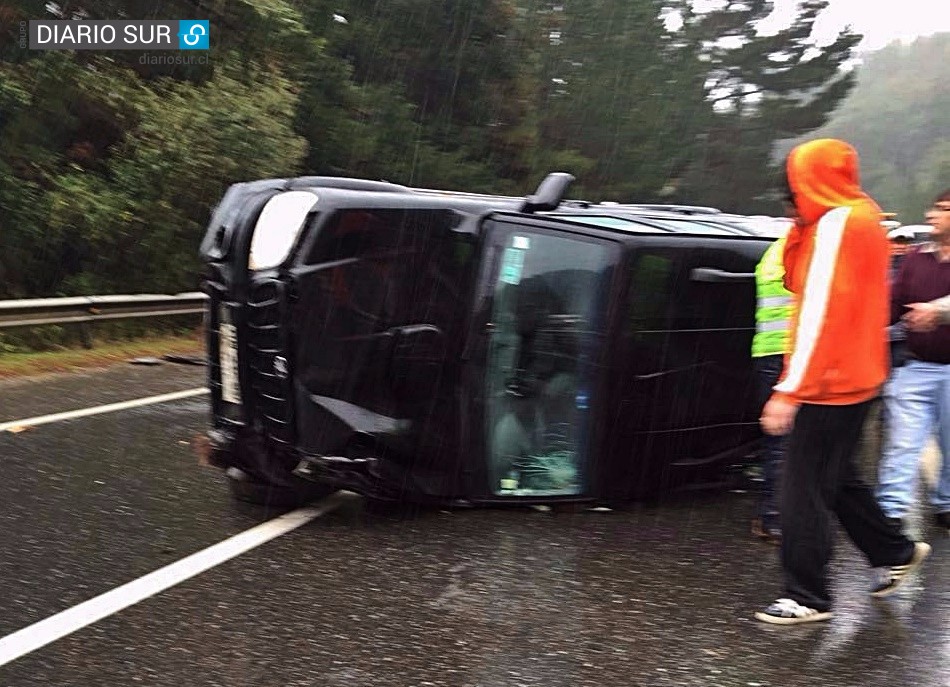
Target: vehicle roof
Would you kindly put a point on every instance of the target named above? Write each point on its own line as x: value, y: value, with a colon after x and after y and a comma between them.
x: 700, y: 223
x: 646, y: 207
x: 632, y: 219
x: 343, y: 197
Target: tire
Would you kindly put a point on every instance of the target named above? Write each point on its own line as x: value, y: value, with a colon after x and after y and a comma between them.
x: 246, y: 489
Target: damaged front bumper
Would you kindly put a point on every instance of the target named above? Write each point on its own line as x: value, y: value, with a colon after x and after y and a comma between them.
x: 249, y: 452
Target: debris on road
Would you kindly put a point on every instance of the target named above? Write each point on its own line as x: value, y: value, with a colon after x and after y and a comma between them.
x: 145, y: 361
x: 185, y: 359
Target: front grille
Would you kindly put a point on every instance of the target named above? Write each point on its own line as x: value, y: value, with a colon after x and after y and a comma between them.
x: 265, y: 344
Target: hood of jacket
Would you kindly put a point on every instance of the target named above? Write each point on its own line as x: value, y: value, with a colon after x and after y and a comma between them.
x: 823, y: 175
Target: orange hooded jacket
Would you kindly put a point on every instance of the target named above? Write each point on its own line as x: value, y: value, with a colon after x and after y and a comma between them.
x: 836, y: 260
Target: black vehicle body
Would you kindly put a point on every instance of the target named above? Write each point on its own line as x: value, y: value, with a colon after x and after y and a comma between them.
x: 440, y: 346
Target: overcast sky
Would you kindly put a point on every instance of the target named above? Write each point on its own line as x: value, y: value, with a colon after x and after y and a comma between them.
x: 881, y: 21
x: 884, y: 21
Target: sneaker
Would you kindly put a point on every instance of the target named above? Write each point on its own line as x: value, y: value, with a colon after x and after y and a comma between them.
x: 789, y: 612
x: 892, y: 577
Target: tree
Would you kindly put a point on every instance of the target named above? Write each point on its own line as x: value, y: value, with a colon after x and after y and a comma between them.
x: 108, y: 175
x: 441, y: 92
x: 624, y: 92
x: 109, y: 167
x: 763, y: 88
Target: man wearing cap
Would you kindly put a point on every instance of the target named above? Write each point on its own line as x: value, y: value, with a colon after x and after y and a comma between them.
x: 920, y: 398
x: 900, y: 239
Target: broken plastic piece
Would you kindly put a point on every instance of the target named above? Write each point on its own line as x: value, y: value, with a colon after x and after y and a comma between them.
x: 145, y: 361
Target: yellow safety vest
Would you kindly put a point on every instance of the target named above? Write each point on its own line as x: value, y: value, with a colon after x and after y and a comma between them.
x: 773, y: 312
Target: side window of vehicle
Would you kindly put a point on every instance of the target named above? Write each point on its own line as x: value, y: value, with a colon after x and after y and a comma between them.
x: 664, y: 296
x: 356, y: 234
x: 374, y: 273
x: 717, y: 305
x: 651, y: 295
x: 437, y: 263
x: 358, y: 289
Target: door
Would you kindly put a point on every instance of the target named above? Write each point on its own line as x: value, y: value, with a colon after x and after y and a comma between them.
x: 380, y: 305
x: 545, y: 327
x: 686, y: 384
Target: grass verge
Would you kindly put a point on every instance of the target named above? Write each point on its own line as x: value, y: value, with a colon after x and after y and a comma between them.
x: 102, y: 354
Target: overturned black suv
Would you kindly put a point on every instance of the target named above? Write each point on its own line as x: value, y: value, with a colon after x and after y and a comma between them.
x: 450, y: 347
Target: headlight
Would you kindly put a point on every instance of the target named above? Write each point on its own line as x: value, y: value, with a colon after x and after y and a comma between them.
x: 278, y: 227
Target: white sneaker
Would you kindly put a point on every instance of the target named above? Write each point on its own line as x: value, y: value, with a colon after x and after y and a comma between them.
x: 789, y: 612
x: 894, y: 576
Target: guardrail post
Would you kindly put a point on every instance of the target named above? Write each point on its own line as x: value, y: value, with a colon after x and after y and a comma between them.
x: 85, y: 335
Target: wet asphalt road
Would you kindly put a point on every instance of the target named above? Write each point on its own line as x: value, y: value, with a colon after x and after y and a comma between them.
x: 653, y: 595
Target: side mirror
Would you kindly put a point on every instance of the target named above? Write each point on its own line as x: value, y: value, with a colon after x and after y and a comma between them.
x: 549, y: 194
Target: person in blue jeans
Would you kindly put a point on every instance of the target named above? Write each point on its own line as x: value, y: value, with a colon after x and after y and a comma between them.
x: 901, y: 242
x: 919, y: 400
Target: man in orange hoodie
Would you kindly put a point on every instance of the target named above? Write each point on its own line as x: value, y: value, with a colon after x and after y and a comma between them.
x: 836, y: 261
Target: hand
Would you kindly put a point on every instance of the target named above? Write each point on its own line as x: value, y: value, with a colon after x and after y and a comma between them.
x: 923, y: 317
x: 778, y: 416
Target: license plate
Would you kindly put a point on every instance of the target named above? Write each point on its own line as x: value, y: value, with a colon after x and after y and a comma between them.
x: 227, y: 353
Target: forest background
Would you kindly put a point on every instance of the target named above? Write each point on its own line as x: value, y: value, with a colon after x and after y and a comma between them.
x: 110, y: 165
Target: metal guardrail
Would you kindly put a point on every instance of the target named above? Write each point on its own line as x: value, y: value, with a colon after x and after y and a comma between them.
x: 35, y: 312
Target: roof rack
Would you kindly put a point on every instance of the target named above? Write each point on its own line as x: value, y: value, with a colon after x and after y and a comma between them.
x: 548, y: 195
x: 465, y: 194
x: 646, y: 207
x: 682, y: 209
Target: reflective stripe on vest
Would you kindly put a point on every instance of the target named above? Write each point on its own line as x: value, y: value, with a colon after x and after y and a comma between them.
x: 774, y: 304
x: 775, y: 326
x: 775, y: 301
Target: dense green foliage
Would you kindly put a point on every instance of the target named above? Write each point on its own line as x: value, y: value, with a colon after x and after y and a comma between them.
x: 110, y: 167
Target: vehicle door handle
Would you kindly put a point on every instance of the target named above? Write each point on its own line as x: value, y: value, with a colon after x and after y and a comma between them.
x: 711, y: 274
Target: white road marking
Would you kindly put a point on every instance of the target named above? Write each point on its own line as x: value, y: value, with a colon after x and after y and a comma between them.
x: 15, y: 425
x: 56, y: 627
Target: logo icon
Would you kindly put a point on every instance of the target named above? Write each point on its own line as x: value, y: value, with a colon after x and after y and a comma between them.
x: 193, y: 34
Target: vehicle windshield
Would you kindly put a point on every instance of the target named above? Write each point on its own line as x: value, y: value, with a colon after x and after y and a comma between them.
x: 547, y: 323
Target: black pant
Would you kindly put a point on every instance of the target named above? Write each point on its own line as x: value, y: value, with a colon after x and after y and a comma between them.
x: 821, y: 477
